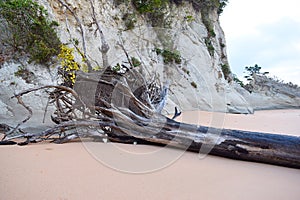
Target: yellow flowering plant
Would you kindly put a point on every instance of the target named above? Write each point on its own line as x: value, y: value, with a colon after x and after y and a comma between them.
x: 68, y: 65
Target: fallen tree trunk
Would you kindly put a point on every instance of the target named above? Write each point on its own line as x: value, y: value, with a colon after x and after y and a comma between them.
x: 282, y: 150
x: 125, y: 111
x: 268, y: 148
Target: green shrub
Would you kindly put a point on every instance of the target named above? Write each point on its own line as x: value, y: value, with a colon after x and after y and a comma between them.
x: 186, y: 71
x: 226, y: 70
x: 209, y: 27
x: 251, y: 70
x: 209, y: 46
x: 129, y: 20
x: 254, y: 70
x: 209, y: 5
x: 149, y: 6
x: 21, y: 70
x: 135, y: 62
x: 30, y: 30
x: 119, y: 2
x: 237, y: 80
x: 189, y: 18
x: 169, y: 56
x: 194, y: 84
x: 154, y: 10
x: 221, y: 6
x: 25, y: 74
x: 117, y: 68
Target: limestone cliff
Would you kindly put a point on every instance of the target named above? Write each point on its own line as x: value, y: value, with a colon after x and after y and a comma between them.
x: 198, y: 82
x: 268, y: 93
x: 202, y: 78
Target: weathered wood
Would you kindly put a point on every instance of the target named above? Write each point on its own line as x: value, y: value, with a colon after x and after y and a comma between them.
x: 282, y: 150
x: 268, y: 148
x: 123, y: 110
x: 155, y: 128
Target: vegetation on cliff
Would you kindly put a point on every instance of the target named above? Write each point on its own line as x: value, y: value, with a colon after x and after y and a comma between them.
x: 26, y: 29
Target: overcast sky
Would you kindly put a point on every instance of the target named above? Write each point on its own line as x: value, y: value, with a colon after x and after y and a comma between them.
x: 264, y: 32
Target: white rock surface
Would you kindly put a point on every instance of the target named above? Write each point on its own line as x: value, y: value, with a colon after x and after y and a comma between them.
x: 213, y: 92
x: 10, y: 111
x: 268, y: 93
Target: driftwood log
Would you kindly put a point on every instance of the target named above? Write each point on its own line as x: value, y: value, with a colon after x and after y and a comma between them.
x: 123, y: 107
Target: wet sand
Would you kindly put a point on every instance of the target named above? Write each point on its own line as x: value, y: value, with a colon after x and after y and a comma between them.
x: 70, y: 171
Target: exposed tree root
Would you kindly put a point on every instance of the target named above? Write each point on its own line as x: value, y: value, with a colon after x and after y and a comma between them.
x: 123, y: 112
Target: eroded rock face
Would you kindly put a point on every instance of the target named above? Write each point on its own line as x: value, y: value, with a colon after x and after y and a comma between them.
x: 267, y: 93
x: 10, y: 83
x: 198, y: 83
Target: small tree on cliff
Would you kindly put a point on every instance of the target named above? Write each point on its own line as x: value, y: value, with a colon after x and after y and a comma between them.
x: 251, y: 70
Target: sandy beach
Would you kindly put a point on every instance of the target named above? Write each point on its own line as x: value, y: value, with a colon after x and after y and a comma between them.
x: 70, y: 171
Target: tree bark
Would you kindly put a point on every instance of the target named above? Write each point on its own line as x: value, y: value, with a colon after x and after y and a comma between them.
x: 282, y: 150
x: 125, y: 111
x: 133, y: 118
